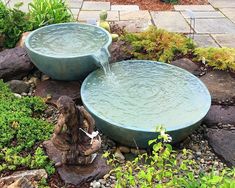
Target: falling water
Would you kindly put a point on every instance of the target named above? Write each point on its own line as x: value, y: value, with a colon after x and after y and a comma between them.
x: 103, y: 58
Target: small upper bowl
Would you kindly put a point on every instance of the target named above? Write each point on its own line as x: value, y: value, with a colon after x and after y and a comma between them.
x: 67, y: 51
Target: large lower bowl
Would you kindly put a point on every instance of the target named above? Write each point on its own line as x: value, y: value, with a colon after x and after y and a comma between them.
x: 146, y: 94
x: 67, y: 66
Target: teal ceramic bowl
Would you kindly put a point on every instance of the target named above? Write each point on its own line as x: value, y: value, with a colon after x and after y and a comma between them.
x: 146, y: 94
x: 68, y: 51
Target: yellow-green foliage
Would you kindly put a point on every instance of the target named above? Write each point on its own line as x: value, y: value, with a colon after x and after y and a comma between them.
x: 157, y: 44
x: 219, y: 58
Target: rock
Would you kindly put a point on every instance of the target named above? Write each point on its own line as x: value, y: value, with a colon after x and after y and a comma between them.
x: 14, y: 64
x: 20, y: 43
x: 124, y: 149
x: 29, y: 174
x: 77, y: 175
x: 118, y: 154
x: 223, y: 143
x: 56, y: 89
x: 18, y: 86
x: 21, y: 183
x: 188, y: 65
x: 220, y: 114
x: 221, y: 85
x: 118, y: 51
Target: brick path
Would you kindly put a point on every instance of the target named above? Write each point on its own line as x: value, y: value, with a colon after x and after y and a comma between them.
x: 214, y: 24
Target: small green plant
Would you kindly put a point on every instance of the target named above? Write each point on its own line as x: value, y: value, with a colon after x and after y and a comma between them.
x: 45, y: 12
x: 22, y: 131
x: 13, y: 23
x: 170, y: 1
x: 157, y: 44
x: 219, y: 58
x: 163, y: 169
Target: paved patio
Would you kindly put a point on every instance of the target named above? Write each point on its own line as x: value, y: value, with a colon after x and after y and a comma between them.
x: 214, y: 23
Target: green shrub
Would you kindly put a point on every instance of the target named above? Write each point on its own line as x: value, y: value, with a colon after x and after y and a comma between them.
x: 22, y: 132
x: 45, y: 12
x: 13, y: 23
x: 157, y: 44
x: 170, y: 1
x: 219, y: 58
x: 163, y: 169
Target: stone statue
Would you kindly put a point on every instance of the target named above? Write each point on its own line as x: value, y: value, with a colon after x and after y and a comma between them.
x: 74, y: 134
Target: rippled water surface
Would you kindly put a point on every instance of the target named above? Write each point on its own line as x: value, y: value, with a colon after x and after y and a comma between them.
x: 68, y: 40
x: 144, y: 95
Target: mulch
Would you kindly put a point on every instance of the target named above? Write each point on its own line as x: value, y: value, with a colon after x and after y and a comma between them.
x: 156, y: 5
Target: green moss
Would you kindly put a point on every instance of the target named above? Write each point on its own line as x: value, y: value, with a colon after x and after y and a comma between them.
x: 22, y: 131
x: 219, y: 58
x: 157, y: 44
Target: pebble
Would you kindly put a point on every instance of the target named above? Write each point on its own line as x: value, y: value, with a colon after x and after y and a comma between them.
x: 124, y: 149
x: 198, y: 153
x: 96, y: 184
x: 45, y: 77
x: 17, y: 95
x: 119, y: 155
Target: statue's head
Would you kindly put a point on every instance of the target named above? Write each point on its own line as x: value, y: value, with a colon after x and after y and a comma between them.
x: 65, y: 104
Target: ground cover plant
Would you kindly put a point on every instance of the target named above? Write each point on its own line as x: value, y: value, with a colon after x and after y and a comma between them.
x: 218, y: 58
x: 163, y: 169
x: 158, y: 45
x: 22, y: 131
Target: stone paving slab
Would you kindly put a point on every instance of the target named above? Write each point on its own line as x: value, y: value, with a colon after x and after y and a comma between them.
x: 225, y: 40
x: 171, y: 21
x: 87, y: 15
x: 135, y: 15
x: 24, y: 7
x: 134, y: 26
x: 125, y: 7
x: 75, y: 3
x: 222, y: 3
x: 75, y: 12
x: 204, y: 14
x: 205, y: 41
x: 214, y: 26
x: 95, y: 5
x: 229, y: 12
x: 194, y: 7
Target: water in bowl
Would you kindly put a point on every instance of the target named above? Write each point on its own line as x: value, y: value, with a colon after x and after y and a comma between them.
x: 146, y: 94
x: 68, y: 40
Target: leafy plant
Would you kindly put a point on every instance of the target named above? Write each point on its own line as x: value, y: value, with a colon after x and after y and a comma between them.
x: 45, y: 12
x: 157, y: 44
x: 13, y: 23
x: 22, y: 131
x: 219, y: 58
x: 163, y: 169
